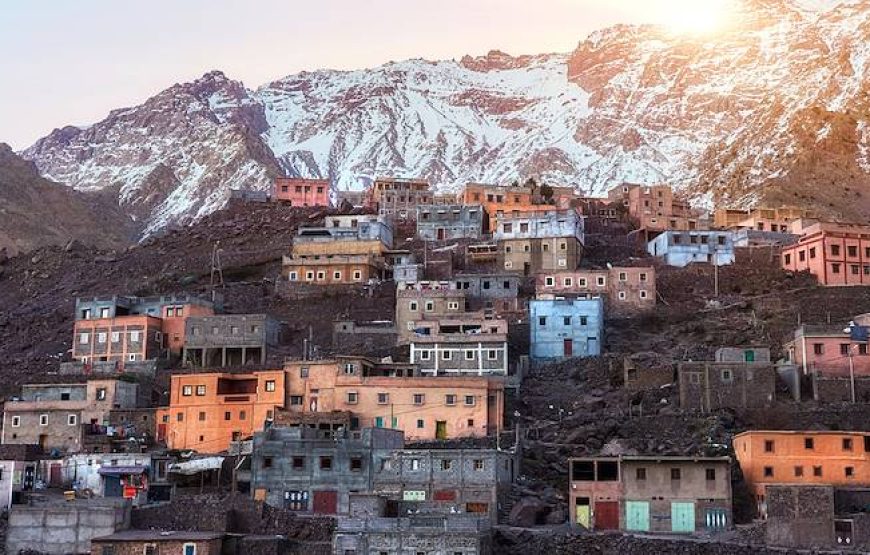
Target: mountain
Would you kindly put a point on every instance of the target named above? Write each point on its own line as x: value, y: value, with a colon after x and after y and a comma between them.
x: 35, y: 212
x: 772, y: 107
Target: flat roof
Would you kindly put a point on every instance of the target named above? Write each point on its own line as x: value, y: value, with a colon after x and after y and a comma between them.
x: 661, y: 458
x: 157, y: 535
x: 805, y: 432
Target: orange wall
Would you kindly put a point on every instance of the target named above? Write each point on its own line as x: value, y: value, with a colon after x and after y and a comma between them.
x: 826, y: 255
x: 302, y: 192
x: 146, y: 325
x: 173, y: 326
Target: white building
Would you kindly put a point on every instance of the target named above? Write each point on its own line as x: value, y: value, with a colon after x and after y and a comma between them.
x: 681, y: 248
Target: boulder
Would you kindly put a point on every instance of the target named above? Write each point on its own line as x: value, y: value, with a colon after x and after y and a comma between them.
x: 527, y: 512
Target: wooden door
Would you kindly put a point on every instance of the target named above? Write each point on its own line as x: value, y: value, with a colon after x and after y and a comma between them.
x: 326, y: 502
x: 568, y: 347
x: 441, y: 429
x: 607, y: 515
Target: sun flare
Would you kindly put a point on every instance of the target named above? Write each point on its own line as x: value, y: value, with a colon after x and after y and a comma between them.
x: 701, y: 17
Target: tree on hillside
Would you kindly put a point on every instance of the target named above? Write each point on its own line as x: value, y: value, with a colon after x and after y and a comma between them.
x: 547, y: 193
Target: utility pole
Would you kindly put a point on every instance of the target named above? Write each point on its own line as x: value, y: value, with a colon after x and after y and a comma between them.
x: 217, y: 271
x: 851, y: 375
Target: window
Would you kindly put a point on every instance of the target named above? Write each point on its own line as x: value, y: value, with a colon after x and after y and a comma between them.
x: 430, y: 306
x: 768, y: 472
x: 228, y: 415
x: 420, y: 424
x: 453, y: 305
x: 357, y: 275
x: 267, y: 462
x: 542, y: 320
x: 787, y: 259
x: 84, y: 338
x: 71, y: 420
x: 643, y: 294
x: 711, y: 474
x: 675, y: 474
x: 424, y: 355
x: 16, y: 421
x: 817, y: 471
x: 349, y: 368
x: 847, y: 444
x: 450, y: 399
x: 623, y: 276
x: 336, y: 276
x: 187, y: 390
x: 492, y: 354
x: 835, y: 268
x: 189, y: 549
x: 768, y: 446
x: 296, y: 400
x: 202, y: 416
x: 101, y: 394
x: 101, y: 337
x: 469, y: 354
x: 412, y: 306
x: 356, y: 464
x: 200, y: 391
x: 134, y: 336
x: 849, y: 471
x: 43, y: 420
x: 809, y: 443
x: 549, y: 281
x: 844, y: 348
x: 383, y: 398
x: 643, y: 276
x: 242, y: 415
x: 150, y: 549
x: 727, y: 376
x: 352, y: 397
x: 600, y: 281
x: 325, y: 463
x: 270, y: 385
x: 818, y: 348
x: 621, y: 295
x: 446, y: 355
x: 179, y: 417
x: 568, y: 282
x: 640, y: 474
x: 835, y: 250
x: 798, y: 471
x: 469, y: 400
x: 298, y: 463
x: 446, y: 464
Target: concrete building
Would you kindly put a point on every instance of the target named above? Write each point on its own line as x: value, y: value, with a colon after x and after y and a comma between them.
x: 818, y: 518
x: 208, y: 411
x: 681, y: 248
x: 651, y: 494
x: 19, y: 472
x: 777, y: 220
x: 836, y: 253
x: 298, y: 469
x: 497, y: 294
x: 542, y: 240
x: 709, y: 386
x: 52, y: 415
x: 604, y: 215
x: 830, y: 349
x: 425, y: 302
x: 461, y: 346
x: 447, y: 481
x: 773, y: 239
x: 297, y: 191
x: 118, y: 475
x: 424, y: 407
x: 647, y: 370
x: 437, y: 534
x: 501, y: 201
x: 836, y: 458
x: 627, y: 291
x: 157, y: 542
x: 229, y: 340
x: 742, y: 354
x: 562, y: 329
x: 125, y: 329
x: 398, y: 198
x: 654, y: 208
x: 448, y: 222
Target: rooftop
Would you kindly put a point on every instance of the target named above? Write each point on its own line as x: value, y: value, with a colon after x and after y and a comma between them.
x: 158, y: 535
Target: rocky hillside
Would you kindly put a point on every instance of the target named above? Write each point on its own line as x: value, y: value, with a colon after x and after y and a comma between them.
x: 35, y: 212
x: 773, y: 106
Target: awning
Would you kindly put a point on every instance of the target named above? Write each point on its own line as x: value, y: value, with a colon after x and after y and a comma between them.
x: 121, y: 470
x: 196, y: 466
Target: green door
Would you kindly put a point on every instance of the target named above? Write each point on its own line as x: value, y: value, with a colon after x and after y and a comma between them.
x: 581, y: 512
x: 379, y: 422
x: 749, y: 356
x: 682, y: 517
x: 637, y: 516
x: 441, y: 429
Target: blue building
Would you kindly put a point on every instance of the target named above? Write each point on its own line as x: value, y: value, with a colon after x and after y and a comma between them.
x: 565, y: 328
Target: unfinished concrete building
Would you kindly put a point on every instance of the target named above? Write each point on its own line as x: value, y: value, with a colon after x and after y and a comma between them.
x: 496, y: 294
x: 447, y: 481
x: 709, y: 386
x: 448, y: 222
x: 441, y: 534
x: 471, y: 345
x: 546, y: 240
x: 229, y: 340
x: 422, y: 302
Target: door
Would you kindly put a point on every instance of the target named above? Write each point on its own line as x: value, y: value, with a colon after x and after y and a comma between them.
x: 749, y: 356
x: 296, y: 500
x: 568, y: 347
x: 112, y: 486
x: 607, y: 515
x: 682, y: 517
x: 441, y: 429
x: 592, y: 346
x: 716, y: 519
x: 55, y: 478
x: 843, y: 532
x: 326, y: 502
x: 440, y: 233
x: 581, y: 512
x: 637, y: 516
x: 29, y: 477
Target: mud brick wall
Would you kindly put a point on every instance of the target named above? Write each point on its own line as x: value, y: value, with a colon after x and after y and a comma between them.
x: 800, y: 516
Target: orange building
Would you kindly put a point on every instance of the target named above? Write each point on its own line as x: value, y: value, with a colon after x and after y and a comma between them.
x: 507, y: 200
x: 836, y: 253
x: 297, y: 191
x: 424, y: 407
x: 208, y: 411
x: 802, y: 458
x: 653, y: 207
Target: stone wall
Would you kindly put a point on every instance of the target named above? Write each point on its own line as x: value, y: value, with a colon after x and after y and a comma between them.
x: 800, y: 516
x: 64, y: 528
x: 835, y: 389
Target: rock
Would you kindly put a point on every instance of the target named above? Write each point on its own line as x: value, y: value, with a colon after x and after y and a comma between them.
x: 74, y: 244
x: 528, y: 512
x: 556, y: 516
x: 35, y: 260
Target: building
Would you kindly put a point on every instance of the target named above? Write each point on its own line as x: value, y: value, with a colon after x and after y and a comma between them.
x: 654, y: 208
x: 502, y: 201
x: 818, y: 518
x: 562, y: 328
x: 425, y: 302
x: 159, y: 542
x: 772, y: 239
x: 467, y: 535
x: 450, y: 222
x: 742, y: 354
x: 840, y: 458
x: 544, y: 240
x: 651, y: 494
x: 208, y: 411
x: 709, y: 386
x: 461, y: 346
x: 681, y: 248
x: 831, y: 350
x: 398, y: 198
x: 447, y: 481
x: 627, y: 291
x: 19, y: 466
x: 496, y: 294
x: 52, y: 415
x: 776, y: 220
x: 229, y: 340
x: 109, y: 475
x: 424, y: 407
x: 836, y: 253
x: 124, y: 329
x: 647, y: 370
x: 297, y: 191
x: 299, y: 470
x: 356, y: 199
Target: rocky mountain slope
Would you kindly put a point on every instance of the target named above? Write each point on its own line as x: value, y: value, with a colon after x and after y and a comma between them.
x: 35, y: 212
x: 773, y: 106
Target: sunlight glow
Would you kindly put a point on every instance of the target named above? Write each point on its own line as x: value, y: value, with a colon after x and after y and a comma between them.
x: 701, y: 17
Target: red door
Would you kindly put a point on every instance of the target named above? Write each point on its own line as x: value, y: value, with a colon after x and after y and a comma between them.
x: 568, y: 346
x: 326, y: 502
x: 55, y: 478
x: 606, y: 515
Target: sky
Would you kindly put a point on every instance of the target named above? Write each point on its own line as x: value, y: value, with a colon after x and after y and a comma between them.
x: 71, y: 62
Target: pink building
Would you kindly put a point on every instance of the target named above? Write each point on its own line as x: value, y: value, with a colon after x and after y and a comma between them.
x: 627, y: 291
x: 826, y: 349
x: 297, y: 191
x: 836, y: 253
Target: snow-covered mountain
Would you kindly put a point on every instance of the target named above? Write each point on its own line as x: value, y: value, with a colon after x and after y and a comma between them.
x: 773, y: 106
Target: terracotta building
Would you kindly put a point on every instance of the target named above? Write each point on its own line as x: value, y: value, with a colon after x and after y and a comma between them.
x: 208, y: 411
x: 831, y: 349
x: 650, y: 494
x: 777, y: 219
x: 422, y: 302
x: 156, y: 542
x: 424, y: 407
x: 398, y: 198
x: 297, y: 191
x: 539, y: 241
x: 627, y: 291
x: 654, y: 208
x: 766, y: 457
x: 502, y: 201
x: 836, y: 253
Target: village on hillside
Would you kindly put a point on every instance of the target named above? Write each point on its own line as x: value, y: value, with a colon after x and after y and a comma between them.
x: 523, y: 367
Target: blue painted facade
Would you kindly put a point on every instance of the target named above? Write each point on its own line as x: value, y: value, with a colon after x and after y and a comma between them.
x: 566, y: 328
